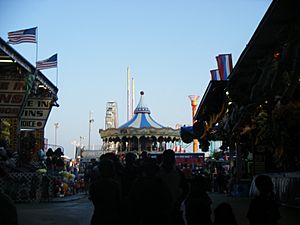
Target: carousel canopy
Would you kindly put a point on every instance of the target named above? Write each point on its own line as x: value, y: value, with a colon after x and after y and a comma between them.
x: 141, y: 118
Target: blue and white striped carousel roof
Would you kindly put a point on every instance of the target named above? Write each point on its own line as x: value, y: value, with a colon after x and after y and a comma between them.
x: 141, y: 118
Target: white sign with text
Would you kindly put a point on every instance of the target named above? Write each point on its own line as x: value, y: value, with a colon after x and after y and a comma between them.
x: 35, y: 113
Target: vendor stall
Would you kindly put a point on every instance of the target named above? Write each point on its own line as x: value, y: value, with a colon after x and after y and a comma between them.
x: 26, y: 100
x: 258, y: 120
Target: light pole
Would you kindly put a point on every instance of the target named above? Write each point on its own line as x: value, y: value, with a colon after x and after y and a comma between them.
x: 80, y: 140
x: 56, y: 125
x: 91, y: 120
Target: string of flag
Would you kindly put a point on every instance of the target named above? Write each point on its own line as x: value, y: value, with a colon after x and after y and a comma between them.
x: 224, y: 63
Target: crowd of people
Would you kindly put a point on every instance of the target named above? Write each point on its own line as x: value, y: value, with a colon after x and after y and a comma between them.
x: 142, y: 190
x: 147, y: 191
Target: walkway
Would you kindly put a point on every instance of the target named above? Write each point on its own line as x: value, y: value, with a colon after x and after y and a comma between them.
x: 289, y: 216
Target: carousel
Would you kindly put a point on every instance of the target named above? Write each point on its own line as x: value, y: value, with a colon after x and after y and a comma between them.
x: 140, y: 133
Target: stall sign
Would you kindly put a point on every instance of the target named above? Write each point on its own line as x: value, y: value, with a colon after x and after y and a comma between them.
x: 35, y: 113
x: 91, y: 154
x: 12, y: 95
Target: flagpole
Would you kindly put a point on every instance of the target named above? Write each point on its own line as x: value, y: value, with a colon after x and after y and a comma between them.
x: 36, y: 46
x: 57, y: 76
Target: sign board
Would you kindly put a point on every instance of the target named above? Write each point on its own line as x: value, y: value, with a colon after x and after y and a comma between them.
x: 192, y: 159
x: 12, y: 95
x: 35, y: 113
x: 90, y: 154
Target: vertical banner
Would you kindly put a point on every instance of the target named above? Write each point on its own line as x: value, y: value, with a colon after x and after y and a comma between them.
x: 215, y: 75
x: 224, y: 62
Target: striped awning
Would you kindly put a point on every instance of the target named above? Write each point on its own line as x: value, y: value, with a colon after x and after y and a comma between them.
x: 141, y: 118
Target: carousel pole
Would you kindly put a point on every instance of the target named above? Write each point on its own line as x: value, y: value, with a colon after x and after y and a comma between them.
x: 194, y: 103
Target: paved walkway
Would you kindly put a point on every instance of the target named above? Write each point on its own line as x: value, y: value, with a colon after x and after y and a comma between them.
x: 68, y: 198
x: 77, y: 209
x: 289, y: 216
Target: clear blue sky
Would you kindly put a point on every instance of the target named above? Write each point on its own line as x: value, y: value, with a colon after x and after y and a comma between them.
x: 170, y: 46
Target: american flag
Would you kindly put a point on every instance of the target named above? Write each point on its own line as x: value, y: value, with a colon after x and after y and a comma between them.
x: 215, y: 75
x: 22, y: 36
x: 47, y: 63
x: 224, y: 65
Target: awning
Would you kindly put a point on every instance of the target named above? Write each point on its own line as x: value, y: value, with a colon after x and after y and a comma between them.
x: 253, y: 78
x: 212, y: 100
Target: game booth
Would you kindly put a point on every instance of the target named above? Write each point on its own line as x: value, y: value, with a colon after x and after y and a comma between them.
x: 26, y: 100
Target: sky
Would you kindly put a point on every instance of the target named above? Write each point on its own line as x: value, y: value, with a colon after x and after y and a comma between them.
x: 169, y: 45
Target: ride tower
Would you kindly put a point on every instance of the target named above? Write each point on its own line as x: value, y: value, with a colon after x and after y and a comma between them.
x: 111, y: 117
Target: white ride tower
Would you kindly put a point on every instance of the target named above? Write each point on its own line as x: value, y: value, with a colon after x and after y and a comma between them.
x: 111, y: 118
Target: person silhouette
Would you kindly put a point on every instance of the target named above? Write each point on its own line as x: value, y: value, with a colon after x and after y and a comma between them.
x: 130, y: 173
x: 177, y: 184
x: 150, y: 199
x: 263, y: 209
x: 224, y: 215
x: 198, y: 203
x: 105, y: 193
